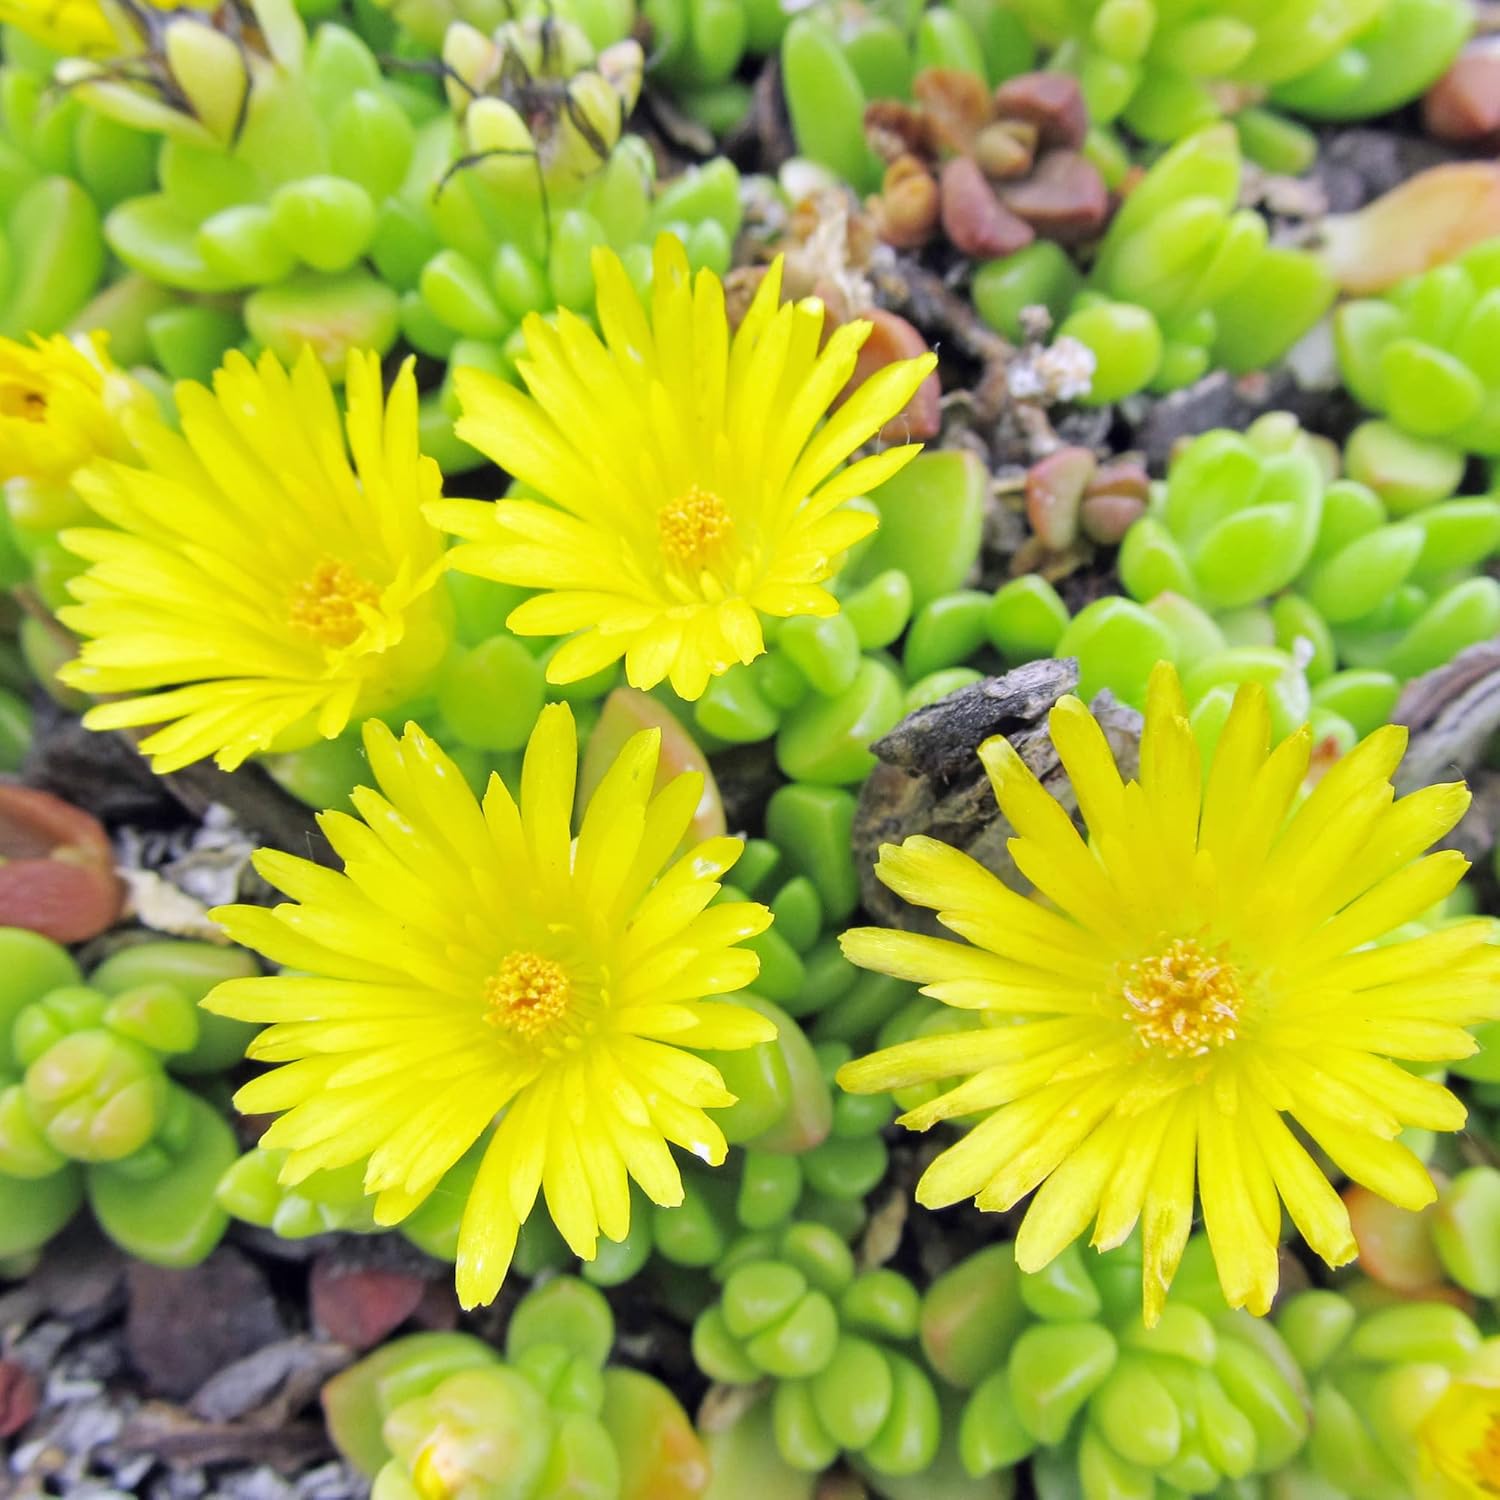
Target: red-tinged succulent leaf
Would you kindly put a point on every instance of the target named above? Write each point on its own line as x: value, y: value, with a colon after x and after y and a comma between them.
x: 661, y: 1456
x: 57, y: 873
x: 1054, y: 488
x: 1427, y: 221
x: 976, y: 222
x: 18, y: 1397
x: 627, y: 711
x: 1395, y: 1244
x: 67, y: 903
x: 1463, y: 106
x: 360, y: 1305
x: 1053, y: 102
x: 891, y: 339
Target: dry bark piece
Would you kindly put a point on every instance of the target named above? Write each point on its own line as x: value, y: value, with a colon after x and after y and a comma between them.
x: 930, y: 780
x: 57, y: 869
x: 956, y: 106
x: 1052, y: 102
x: 974, y: 219
x: 182, y: 1326
x: 1463, y: 106
x: 1054, y: 491
x: 1063, y: 199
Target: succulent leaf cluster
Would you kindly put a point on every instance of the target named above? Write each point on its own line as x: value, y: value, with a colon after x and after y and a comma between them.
x: 98, y: 1095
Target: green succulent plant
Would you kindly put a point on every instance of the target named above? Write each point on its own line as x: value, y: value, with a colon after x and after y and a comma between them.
x: 1375, y: 1372
x: 445, y: 1415
x: 837, y: 1344
x: 1184, y: 280
x: 95, y: 1101
x: 1061, y: 1369
x: 1425, y: 355
x: 1166, y: 70
x: 837, y: 59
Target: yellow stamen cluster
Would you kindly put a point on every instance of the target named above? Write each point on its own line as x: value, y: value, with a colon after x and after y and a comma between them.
x: 529, y: 995
x: 326, y: 604
x: 1183, y: 1001
x: 693, y: 528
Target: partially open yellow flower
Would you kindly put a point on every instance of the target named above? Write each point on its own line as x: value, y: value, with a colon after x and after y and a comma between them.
x: 1194, y: 980
x: 62, y: 404
x: 259, y: 590
x: 474, y: 961
x: 77, y: 27
x: 692, y: 488
x: 1458, y: 1441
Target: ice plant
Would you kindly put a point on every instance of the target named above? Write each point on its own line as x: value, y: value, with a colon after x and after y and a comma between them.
x: 472, y: 961
x: 691, y: 486
x: 1459, y: 1441
x: 61, y: 404
x: 1197, y: 977
x: 66, y: 26
x: 258, y: 590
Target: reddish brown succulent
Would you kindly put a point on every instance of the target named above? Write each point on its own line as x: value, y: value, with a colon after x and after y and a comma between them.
x: 57, y: 871
x: 892, y: 338
x: 1463, y: 106
x: 1006, y: 167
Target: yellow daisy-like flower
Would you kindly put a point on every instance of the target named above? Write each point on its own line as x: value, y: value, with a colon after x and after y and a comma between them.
x: 259, y: 590
x: 1195, y: 979
x: 62, y: 404
x: 77, y: 27
x: 1458, y: 1441
x: 473, y: 961
x: 691, y: 486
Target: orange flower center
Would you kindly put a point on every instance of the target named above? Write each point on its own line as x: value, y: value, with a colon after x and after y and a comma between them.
x: 694, y: 528
x: 326, y: 604
x: 1184, y: 1001
x: 1486, y: 1457
x: 528, y: 996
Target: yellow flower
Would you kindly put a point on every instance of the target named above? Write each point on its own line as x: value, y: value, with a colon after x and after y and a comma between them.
x: 67, y: 26
x: 1195, y: 979
x: 689, y: 481
x: 62, y: 402
x: 473, y: 961
x: 260, y: 591
x: 1458, y: 1437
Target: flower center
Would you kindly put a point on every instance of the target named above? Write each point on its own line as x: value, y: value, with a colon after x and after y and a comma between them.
x: 438, y: 1472
x: 23, y: 402
x: 1486, y: 1457
x: 694, y: 528
x: 528, y: 996
x: 1184, y: 1001
x: 326, y: 604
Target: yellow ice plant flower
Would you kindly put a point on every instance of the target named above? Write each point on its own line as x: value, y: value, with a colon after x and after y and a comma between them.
x: 62, y: 403
x: 1196, y: 978
x: 474, y: 961
x: 1458, y: 1440
x: 691, y: 486
x: 77, y: 27
x: 258, y: 590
